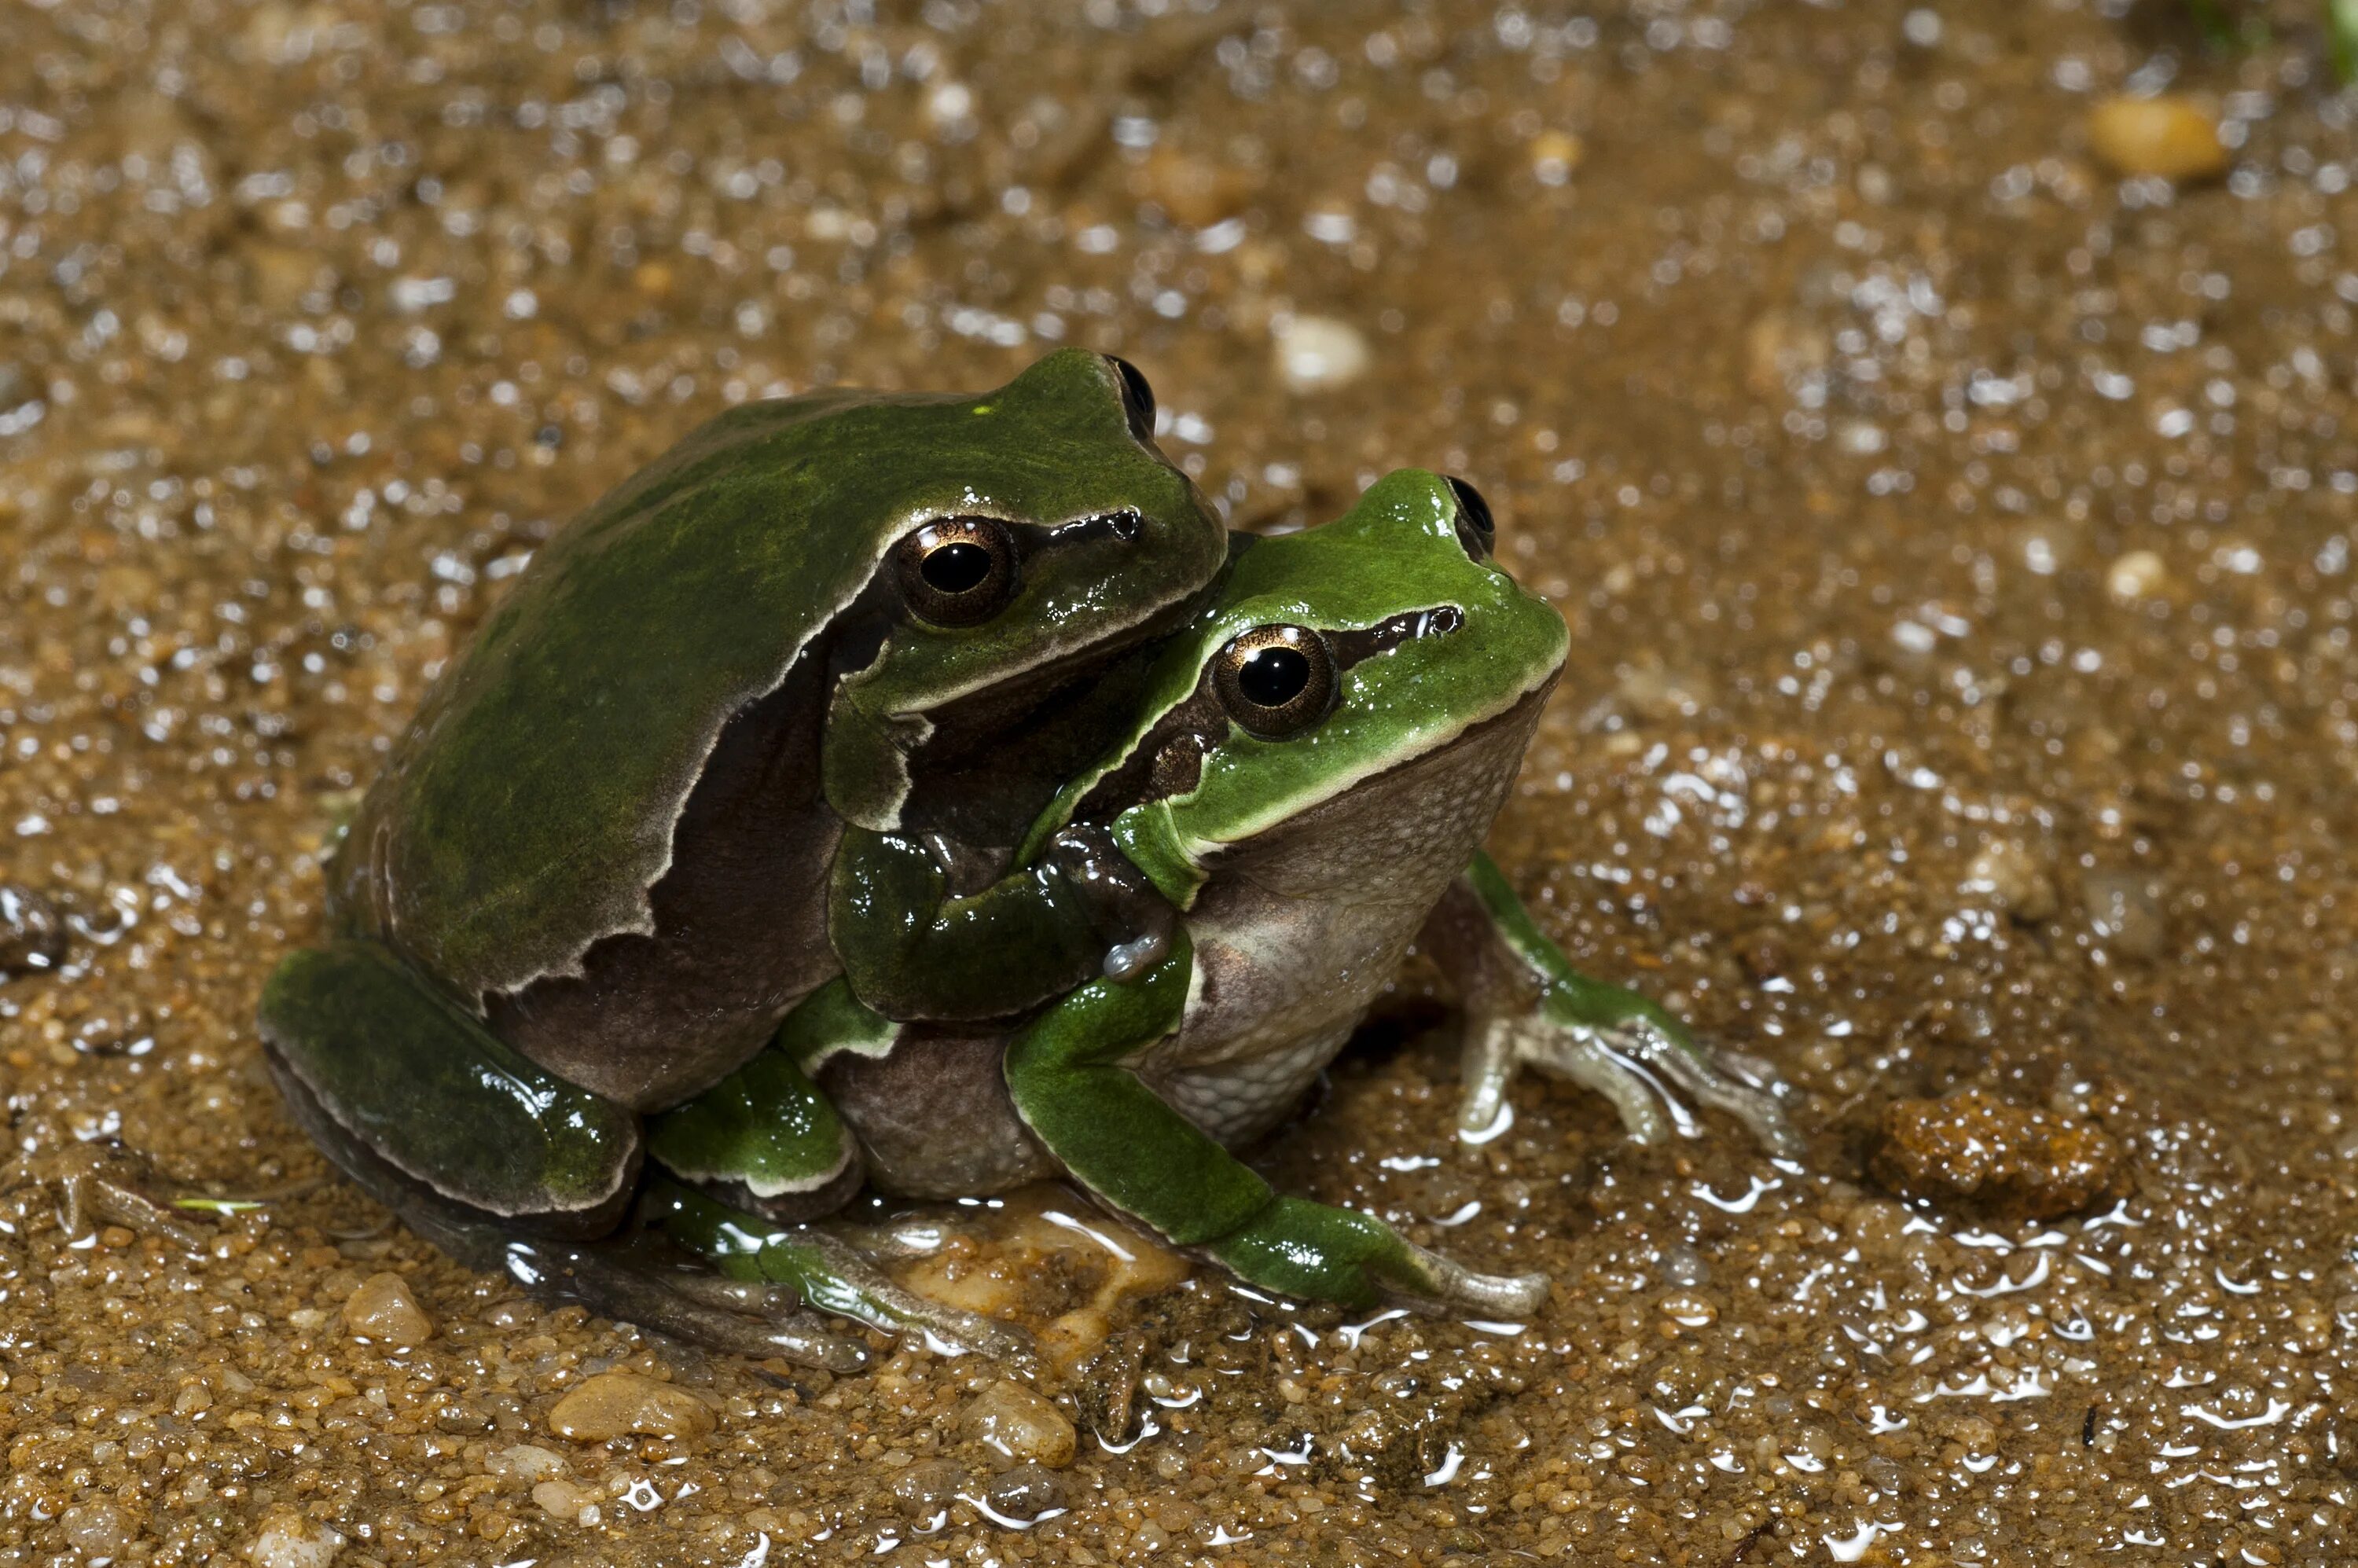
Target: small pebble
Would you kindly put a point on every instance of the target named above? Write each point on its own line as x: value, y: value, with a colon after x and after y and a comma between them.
x: 2011, y: 878
x: 32, y: 937
x: 94, y: 1530
x: 2165, y: 136
x: 2138, y: 575
x: 924, y: 1490
x: 1682, y: 1265
x: 1025, y: 1493
x: 1317, y: 353
x: 2124, y: 909
x: 561, y: 1499
x: 287, y: 1539
x: 1782, y: 348
x: 612, y: 1403
x: 383, y: 1312
x: 528, y: 1462
x: 1197, y: 193
x: 1017, y: 1425
x: 1554, y: 155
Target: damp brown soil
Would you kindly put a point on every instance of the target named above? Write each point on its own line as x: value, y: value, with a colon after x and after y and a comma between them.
x: 1955, y: 539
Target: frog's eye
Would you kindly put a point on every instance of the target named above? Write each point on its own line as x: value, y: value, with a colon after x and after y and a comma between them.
x: 956, y: 572
x: 1475, y: 529
x: 1136, y: 398
x: 1275, y: 681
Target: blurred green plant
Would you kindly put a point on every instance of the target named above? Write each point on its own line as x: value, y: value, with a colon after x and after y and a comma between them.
x: 2341, y: 28
x: 2221, y: 23
x: 2239, y: 25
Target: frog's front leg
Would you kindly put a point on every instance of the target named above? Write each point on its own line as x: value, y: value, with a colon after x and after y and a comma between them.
x: 1067, y: 1072
x: 499, y: 1163
x: 913, y: 946
x: 1525, y: 1003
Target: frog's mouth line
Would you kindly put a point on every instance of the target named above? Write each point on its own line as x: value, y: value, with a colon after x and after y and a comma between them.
x: 985, y: 715
x: 1352, y: 797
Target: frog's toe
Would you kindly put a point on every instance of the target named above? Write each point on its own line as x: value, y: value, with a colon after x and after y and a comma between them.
x: 832, y: 1273
x: 1447, y: 1286
x: 747, y: 1318
x: 1743, y: 1086
x: 1578, y: 1054
x: 831, y: 1270
x: 1640, y: 1063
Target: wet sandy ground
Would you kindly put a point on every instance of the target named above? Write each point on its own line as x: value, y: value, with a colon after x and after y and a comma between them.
x: 1955, y: 539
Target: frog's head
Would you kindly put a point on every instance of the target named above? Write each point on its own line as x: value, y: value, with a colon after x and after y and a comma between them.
x: 1020, y: 535
x: 1353, y: 652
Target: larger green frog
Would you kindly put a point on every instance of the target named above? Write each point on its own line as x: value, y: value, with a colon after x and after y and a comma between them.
x: 825, y: 646
x: 1304, y: 772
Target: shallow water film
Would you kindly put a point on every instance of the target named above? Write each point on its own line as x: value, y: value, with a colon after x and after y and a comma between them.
x: 1933, y: 420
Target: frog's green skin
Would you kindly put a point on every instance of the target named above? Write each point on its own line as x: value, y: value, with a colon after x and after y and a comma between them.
x: 1306, y: 862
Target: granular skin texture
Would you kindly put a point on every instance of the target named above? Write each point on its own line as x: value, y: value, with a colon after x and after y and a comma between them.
x: 1955, y: 541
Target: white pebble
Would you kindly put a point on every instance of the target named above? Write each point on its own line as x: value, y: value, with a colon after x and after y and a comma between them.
x: 1315, y: 352
x: 287, y: 1539
x: 563, y: 1499
x: 2138, y: 575
x: 529, y: 1461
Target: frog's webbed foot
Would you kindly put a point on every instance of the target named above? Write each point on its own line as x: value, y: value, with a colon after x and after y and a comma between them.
x: 1639, y: 1060
x: 1527, y: 1005
x: 829, y: 1267
x: 103, y: 1183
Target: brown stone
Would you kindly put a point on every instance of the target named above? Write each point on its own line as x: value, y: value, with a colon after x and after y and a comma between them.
x: 1197, y: 193
x: 612, y: 1403
x: 1019, y: 1426
x: 1972, y: 1151
x: 383, y: 1312
x: 2165, y: 136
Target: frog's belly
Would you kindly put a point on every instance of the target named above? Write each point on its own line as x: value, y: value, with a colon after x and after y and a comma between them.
x: 1297, y: 935
x: 934, y: 1117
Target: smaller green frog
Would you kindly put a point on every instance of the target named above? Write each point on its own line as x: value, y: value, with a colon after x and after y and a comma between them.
x: 1308, y: 780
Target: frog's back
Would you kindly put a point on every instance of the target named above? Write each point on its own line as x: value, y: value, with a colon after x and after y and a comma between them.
x: 531, y: 805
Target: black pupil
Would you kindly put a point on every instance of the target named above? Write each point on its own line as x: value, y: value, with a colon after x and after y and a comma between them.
x: 1274, y: 676
x: 958, y: 568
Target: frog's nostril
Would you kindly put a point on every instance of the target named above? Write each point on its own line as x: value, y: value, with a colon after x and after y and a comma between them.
x: 1476, y: 530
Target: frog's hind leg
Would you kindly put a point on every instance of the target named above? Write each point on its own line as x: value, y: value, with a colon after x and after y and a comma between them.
x: 1526, y: 1004
x: 498, y: 1163
x: 413, y: 1075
